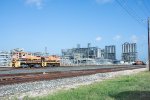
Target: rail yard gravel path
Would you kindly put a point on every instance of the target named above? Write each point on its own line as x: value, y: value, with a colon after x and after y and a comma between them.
x: 31, y: 89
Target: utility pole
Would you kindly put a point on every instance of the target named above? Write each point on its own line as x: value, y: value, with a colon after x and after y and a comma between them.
x: 148, y: 46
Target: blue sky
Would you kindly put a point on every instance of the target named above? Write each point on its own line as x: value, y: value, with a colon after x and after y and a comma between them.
x: 61, y: 24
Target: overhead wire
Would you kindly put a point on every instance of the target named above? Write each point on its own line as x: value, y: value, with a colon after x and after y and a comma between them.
x: 130, y: 11
x: 146, y: 6
x: 141, y: 20
x: 141, y: 6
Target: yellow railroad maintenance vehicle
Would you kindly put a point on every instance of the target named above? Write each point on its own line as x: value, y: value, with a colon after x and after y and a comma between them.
x: 27, y: 60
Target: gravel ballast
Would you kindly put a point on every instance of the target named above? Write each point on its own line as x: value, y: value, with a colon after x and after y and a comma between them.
x: 41, y: 88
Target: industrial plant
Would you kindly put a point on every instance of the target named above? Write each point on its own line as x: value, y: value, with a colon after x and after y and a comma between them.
x: 90, y: 55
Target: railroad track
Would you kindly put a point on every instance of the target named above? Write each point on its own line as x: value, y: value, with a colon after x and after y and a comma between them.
x: 6, y: 79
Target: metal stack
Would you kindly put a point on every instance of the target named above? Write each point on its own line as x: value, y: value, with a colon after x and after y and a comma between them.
x: 110, y: 52
x: 129, y: 52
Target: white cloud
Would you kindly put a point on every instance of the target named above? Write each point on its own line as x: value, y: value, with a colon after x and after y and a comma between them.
x: 103, y: 1
x: 117, y: 37
x: 37, y: 3
x: 134, y: 38
x: 98, y: 38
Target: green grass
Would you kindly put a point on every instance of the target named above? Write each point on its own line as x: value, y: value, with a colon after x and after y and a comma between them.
x: 133, y: 87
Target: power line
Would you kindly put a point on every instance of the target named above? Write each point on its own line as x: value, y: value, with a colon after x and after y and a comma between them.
x: 133, y: 13
x: 146, y: 6
x: 130, y: 11
x: 144, y: 11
